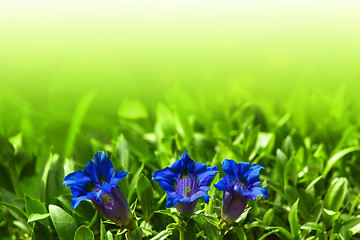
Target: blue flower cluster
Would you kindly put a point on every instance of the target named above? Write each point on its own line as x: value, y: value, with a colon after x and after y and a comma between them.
x: 185, y: 182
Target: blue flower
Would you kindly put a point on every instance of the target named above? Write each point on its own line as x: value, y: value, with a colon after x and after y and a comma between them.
x: 240, y: 185
x: 185, y: 182
x: 98, y: 183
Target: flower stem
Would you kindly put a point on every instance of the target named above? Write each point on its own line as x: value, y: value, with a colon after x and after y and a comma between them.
x: 15, y: 181
x: 181, y: 233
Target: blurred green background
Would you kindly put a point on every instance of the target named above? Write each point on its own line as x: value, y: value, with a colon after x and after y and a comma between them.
x: 300, y: 58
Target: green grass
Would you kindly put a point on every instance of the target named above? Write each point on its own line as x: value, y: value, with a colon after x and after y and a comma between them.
x: 309, y: 148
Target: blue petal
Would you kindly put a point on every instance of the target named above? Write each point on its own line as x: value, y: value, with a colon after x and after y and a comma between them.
x: 166, y: 186
x: 256, y: 192
x: 200, y: 194
x: 172, y: 199
x: 254, y: 184
x: 229, y: 167
x: 203, y: 188
x: 207, y: 176
x: 165, y: 174
x: 90, y: 170
x: 241, y: 169
x: 76, y: 201
x: 187, y: 164
x: 221, y: 185
x: 116, y: 177
x: 78, y: 191
x: 252, y: 175
x: 185, y: 200
x: 78, y: 178
x: 103, y: 165
x: 106, y: 188
x: 176, y: 166
x: 199, y: 168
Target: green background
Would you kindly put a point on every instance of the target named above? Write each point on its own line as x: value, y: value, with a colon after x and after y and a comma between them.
x: 55, y: 52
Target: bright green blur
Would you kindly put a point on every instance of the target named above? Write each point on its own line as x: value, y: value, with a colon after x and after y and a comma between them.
x: 298, y: 57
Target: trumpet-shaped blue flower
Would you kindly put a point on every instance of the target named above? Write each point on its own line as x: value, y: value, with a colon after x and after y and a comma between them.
x: 239, y: 185
x: 98, y: 183
x: 185, y: 182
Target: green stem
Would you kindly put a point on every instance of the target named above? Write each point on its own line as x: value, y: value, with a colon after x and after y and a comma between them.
x: 181, y: 233
x: 15, y: 182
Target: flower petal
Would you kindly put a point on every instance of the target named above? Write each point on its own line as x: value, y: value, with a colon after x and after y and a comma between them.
x: 104, y: 166
x: 204, y: 188
x: 76, y: 201
x: 252, y: 175
x: 222, y: 185
x: 187, y: 164
x: 166, y: 186
x: 241, y: 169
x: 256, y: 192
x: 207, y: 176
x: 78, y: 178
x: 116, y: 177
x: 229, y: 167
x: 172, y: 199
x: 90, y: 170
x: 200, y: 194
x: 78, y: 191
x: 165, y: 174
x: 199, y: 168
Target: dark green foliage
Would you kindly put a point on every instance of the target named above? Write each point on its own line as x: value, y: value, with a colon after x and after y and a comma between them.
x: 311, y: 174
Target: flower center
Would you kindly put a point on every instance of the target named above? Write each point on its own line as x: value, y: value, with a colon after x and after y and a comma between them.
x: 241, y: 184
x: 188, y: 190
x: 186, y: 187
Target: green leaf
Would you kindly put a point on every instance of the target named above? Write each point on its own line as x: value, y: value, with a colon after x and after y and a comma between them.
x: 122, y: 152
x: 293, y: 220
x: 76, y: 122
x: 34, y: 206
x: 162, y: 235
x: 6, y: 151
x: 268, y: 234
x: 353, y: 225
x: 102, y: 231
x: 268, y: 217
x: 211, y: 223
x: 288, y: 146
x: 281, y: 160
x: 135, y: 234
x: 243, y: 216
x: 16, y: 212
x: 190, y: 231
x: 64, y: 224
x: 145, y: 194
x: 312, y: 226
x: 344, y: 233
x: 84, y: 233
x: 109, y: 236
x: 336, y: 194
x: 282, y: 231
x: 239, y: 233
x: 38, y: 217
x: 41, y: 232
x: 338, y: 156
x: 312, y: 184
x: 290, y: 172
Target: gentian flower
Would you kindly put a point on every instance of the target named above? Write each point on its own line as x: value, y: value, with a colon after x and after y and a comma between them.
x: 185, y: 182
x: 98, y: 183
x: 240, y: 185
